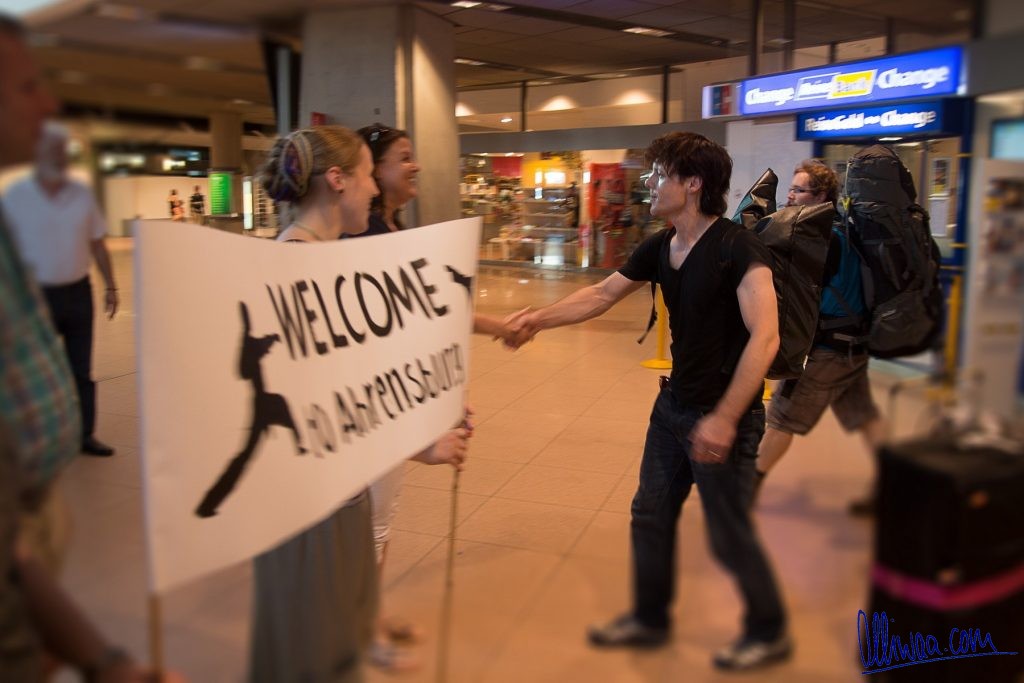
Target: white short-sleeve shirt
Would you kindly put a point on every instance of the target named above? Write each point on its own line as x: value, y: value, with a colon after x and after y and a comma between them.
x: 54, y: 233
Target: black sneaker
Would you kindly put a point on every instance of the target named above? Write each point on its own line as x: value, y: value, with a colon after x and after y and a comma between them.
x: 626, y: 631
x: 747, y: 654
x: 93, y: 446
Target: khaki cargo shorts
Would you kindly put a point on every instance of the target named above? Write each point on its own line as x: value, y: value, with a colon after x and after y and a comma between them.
x: 831, y: 379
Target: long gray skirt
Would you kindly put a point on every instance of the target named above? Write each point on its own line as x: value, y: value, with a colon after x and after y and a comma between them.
x: 315, y: 602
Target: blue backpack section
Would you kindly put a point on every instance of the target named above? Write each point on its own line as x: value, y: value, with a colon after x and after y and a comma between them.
x: 847, y: 281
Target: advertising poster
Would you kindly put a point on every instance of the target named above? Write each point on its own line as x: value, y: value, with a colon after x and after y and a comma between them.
x: 995, y: 332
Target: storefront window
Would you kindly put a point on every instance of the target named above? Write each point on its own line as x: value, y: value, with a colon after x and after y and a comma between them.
x: 561, y: 209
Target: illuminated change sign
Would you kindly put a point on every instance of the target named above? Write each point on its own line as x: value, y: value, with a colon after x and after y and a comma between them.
x: 920, y: 74
x: 895, y: 119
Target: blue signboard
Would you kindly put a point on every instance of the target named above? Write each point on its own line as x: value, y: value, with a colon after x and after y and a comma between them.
x: 919, y: 74
x: 914, y: 118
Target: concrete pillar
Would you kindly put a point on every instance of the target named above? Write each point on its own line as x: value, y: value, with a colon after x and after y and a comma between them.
x: 391, y: 63
x: 226, y: 152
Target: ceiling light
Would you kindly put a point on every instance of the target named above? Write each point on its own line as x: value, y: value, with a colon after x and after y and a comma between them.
x: 890, y: 139
x: 469, y: 62
x: 465, y: 4
x: 507, y: 119
x: 645, y: 31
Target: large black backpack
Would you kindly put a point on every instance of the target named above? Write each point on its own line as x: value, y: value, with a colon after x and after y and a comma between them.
x: 798, y: 239
x: 900, y: 260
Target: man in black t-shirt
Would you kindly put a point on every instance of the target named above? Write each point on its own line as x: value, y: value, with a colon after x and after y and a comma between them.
x: 708, y: 418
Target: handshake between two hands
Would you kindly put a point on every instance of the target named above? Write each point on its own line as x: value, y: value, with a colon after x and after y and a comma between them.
x: 518, y: 328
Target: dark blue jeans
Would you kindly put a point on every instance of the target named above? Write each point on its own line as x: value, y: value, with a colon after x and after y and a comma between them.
x: 667, y: 474
x: 71, y: 309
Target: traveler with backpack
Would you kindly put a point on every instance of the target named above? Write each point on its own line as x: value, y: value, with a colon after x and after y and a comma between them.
x: 708, y: 417
x: 836, y: 373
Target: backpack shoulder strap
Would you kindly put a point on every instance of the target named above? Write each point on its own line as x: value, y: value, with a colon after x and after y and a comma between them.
x: 654, y: 294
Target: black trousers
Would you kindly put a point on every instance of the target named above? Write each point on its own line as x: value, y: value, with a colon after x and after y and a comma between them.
x: 71, y: 308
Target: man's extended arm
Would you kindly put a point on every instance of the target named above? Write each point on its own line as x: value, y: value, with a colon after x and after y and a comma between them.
x: 713, y: 436
x: 583, y: 304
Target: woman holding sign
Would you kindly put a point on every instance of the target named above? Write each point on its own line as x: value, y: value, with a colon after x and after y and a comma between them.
x: 395, y: 169
x: 315, y: 595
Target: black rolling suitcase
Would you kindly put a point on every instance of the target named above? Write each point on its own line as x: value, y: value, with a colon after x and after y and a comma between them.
x: 949, y: 565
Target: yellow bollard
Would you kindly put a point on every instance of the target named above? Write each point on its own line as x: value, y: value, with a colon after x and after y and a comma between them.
x: 953, y: 327
x: 660, y: 360
x: 767, y: 395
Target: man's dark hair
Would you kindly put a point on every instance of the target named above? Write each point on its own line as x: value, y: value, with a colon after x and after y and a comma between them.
x: 686, y: 155
x: 11, y: 27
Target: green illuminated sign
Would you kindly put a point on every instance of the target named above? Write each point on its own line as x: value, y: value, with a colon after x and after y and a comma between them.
x: 220, y: 193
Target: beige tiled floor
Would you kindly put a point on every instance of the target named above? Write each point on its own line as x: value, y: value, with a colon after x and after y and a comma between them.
x: 543, y: 524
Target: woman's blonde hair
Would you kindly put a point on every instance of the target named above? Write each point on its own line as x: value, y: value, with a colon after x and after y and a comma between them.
x: 303, y: 154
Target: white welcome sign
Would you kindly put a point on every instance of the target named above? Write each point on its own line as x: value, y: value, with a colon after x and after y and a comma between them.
x: 276, y: 380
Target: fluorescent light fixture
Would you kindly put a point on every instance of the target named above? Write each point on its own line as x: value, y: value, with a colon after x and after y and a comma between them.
x: 538, y: 177
x: 586, y: 177
x: 646, y: 31
x: 469, y: 62
x: 890, y: 139
x: 506, y: 119
x: 554, y: 178
x: 247, y: 203
x: 510, y: 154
x: 469, y: 4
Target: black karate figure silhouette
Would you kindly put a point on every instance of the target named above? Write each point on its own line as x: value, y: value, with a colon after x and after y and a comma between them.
x: 464, y: 280
x: 267, y: 410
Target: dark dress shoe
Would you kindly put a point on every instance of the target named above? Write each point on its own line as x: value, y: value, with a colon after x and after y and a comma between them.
x: 91, y: 446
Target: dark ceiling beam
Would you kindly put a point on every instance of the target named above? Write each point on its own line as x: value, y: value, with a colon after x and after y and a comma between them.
x: 575, y: 19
